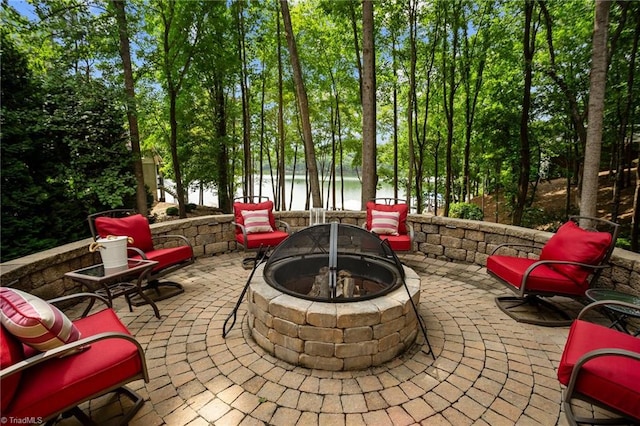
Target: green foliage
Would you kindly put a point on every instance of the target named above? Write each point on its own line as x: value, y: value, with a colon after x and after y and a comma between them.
x: 189, y: 207
x: 466, y: 211
x: 173, y: 211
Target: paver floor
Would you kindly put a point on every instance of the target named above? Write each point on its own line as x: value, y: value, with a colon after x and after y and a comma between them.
x: 488, y: 369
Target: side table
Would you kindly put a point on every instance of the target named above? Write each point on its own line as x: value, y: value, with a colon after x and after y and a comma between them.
x: 618, y: 314
x: 113, y: 282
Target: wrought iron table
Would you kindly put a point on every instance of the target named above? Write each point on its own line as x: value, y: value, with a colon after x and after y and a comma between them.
x: 114, y: 282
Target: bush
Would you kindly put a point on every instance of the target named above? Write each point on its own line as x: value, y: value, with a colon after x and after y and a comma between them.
x: 466, y: 211
x: 173, y: 211
x: 190, y: 207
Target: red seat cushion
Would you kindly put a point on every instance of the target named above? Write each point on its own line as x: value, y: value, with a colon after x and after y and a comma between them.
x: 10, y: 353
x: 58, y: 383
x: 398, y: 242
x: 135, y: 226
x: 613, y: 380
x: 168, y: 256
x: 266, y: 239
x: 403, y: 209
x: 575, y: 244
x: 542, y: 279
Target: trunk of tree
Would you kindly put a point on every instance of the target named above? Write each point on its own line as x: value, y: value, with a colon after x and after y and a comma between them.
x: 301, y: 92
x: 525, y: 152
x: 635, y: 219
x: 413, y: 172
x: 132, y: 111
x: 246, y: 117
x: 281, y: 136
x: 369, y: 173
x: 598, y: 80
x: 225, y: 196
x: 395, y: 119
x: 261, y: 154
x: 356, y: 42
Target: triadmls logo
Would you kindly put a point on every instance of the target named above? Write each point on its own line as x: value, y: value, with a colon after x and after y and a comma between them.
x: 21, y: 420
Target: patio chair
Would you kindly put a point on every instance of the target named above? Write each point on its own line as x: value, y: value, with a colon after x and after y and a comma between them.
x: 568, y: 265
x: 601, y: 365
x: 50, y: 376
x: 387, y: 217
x: 175, y: 254
x: 257, y: 230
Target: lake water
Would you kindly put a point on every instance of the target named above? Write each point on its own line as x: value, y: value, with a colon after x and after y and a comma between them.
x: 352, y: 193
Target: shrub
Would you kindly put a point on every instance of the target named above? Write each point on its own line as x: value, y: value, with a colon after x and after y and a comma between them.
x: 466, y: 211
x: 190, y: 207
x: 173, y: 211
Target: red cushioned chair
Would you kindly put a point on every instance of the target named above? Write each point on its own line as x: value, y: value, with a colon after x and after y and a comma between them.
x: 256, y: 227
x: 569, y: 263
x: 602, y: 366
x: 175, y: 253
x: 387, y: 217
x: 43, y: 385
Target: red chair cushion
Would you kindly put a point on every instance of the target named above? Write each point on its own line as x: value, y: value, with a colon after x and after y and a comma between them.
x: 10, y: 353
x: 63, y: 382
x: 135, y: 226
x: 613, y: 380
x: 403, y: 209
x: 575, y: 244
x: 265, y: 205
x: 398, y: 242
x: 168, y: 256
x: 267, y: 239
x: 542, y: 279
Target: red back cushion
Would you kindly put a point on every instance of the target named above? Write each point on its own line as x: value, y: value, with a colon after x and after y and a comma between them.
x: 403, y: 209
x: 265, y: 205
x: 10, y: 353
x: 135, y: 226
x: 575, y: 244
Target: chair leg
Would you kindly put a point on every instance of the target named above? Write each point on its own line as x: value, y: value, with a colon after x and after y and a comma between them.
x: 545, y: 313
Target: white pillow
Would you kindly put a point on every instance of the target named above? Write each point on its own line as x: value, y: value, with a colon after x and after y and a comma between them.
x: 256, y: 221
x: 384, y: 223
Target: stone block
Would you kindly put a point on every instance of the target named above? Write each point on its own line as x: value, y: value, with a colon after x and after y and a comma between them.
x: 322, y: 314
x: 384, y: 356
x: 286, y: 354
x: 387, y: 328
x: 358, y: 362
x: 321, y: 363
x: 320, y: 334
x: 455, y: 254
x: 285, y: 327
x: 348, y: 350
x: 290, y: 308
x: 356, y: 315
x: 319, y: 349
x: 451, y: 242
x: 262, y: 315
x: 474, y: 235
x: 455, y: 232
x: 291, y: 343
x: 434, y: 239
x: 358, y: 334
x: 389, y: 308
x: 262, y: 341
x: 388, y: 342
x: 261, y: 327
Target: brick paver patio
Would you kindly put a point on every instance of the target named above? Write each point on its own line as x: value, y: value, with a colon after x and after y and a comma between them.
x: 488, y: 369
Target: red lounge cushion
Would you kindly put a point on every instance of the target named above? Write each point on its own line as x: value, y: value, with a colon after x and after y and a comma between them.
x: 384, y: 223
x: 256, y: 221
x: 34, y: 321
x: 613, y: 380
x: 265, y: 205
x: 63, y: 382
x: 135, y: 226
x: 168, y: 256
x: 575, y: 244
x: 267, y: 239
x: 10, y: 353
x: 398, y: 242
x: 542, y: 279
x: 403, y: 209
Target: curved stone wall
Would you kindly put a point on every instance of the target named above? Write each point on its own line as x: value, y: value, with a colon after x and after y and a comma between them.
x: 444, y: 238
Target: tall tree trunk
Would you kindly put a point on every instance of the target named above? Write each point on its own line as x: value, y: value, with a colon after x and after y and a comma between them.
x: 310, y: 156
x: 413, y: 172
x: 598, y: 80
x: 244, y: 90
x: 354, y: 27
x: 369, y: 173
x: 528, y: 45
x: 132, y: 111
x: 281, y: 136
x: 225, y: 196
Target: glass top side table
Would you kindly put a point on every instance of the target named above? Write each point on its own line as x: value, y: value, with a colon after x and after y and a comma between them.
x: 619, y: 314
x: 114, y: 282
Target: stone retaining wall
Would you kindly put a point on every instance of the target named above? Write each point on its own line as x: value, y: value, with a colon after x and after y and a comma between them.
x: 453, y: 240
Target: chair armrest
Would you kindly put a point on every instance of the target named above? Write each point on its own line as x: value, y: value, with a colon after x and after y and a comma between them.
x: 599, y: 303
x: 284, y: 225
x: 244, y: 233
x: 92, y: 296
x: 410, y: 231
x: 184, y: 239
x: 138, y: 252
x: 503, y: 245
x: 525, y: 276
x: 72, y: 347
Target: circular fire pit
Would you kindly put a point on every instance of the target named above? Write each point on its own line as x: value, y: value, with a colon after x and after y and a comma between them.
x: 366, y: 319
